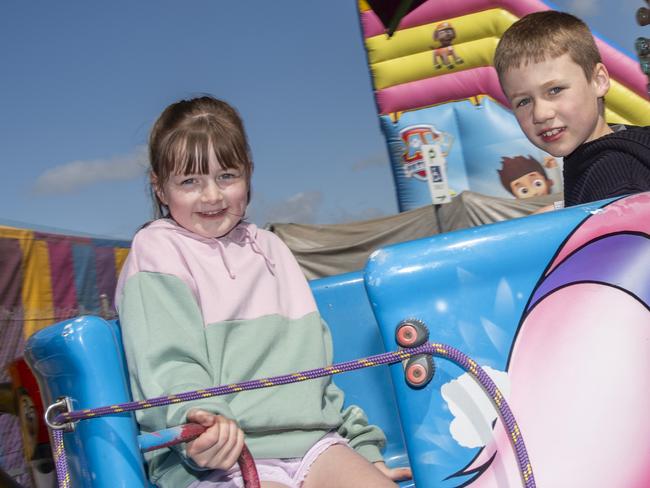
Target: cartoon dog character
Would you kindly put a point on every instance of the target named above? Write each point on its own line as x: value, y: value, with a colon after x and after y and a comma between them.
x: 445, y: 34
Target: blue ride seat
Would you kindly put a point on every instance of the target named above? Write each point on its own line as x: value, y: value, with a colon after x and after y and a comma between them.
x: 83, y: 359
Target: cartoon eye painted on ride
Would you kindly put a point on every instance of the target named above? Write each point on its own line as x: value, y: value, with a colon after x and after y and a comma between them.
x: 419, y: 371
x: 411, y: 333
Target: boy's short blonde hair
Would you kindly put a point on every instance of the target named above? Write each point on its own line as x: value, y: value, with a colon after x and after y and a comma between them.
x: 546, y: 35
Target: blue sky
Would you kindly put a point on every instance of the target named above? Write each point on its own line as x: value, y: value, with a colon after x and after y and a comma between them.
x: 82, y: 82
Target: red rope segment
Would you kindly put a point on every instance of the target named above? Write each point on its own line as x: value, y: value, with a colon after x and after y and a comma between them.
x: 432, y: 348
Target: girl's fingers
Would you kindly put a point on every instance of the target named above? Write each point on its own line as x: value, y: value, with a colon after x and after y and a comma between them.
x: 400, y: 474
x: 219, y: 446
x: 395, y: 474
x: 234, y: 447
x: 202, y: 417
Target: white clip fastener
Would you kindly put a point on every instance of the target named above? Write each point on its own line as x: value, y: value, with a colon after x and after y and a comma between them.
x: 62, y: 405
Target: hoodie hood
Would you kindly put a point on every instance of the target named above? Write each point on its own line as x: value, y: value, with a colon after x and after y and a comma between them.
x: 243, y: 234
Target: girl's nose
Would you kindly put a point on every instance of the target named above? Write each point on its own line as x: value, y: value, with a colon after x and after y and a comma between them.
x: 211, y: 193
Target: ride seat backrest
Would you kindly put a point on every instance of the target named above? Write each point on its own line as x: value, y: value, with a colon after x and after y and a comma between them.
x: 83, y: 359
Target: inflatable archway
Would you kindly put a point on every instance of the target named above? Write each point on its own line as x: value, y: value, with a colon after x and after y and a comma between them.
x: 429, y: 89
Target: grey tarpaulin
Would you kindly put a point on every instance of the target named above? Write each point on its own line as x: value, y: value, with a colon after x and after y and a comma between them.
x: 326, y: 250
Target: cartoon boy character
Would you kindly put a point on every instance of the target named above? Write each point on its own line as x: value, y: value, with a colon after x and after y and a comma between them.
x: 445, y: 34
x: 525, y: 177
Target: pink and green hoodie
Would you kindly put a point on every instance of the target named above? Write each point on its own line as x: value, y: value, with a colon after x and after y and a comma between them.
x: 198, y: 312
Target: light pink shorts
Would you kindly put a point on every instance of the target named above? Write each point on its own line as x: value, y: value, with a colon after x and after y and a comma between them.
x: 289, y: 472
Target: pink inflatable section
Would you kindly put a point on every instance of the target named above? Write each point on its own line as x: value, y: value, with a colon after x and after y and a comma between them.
x: 441, y: 89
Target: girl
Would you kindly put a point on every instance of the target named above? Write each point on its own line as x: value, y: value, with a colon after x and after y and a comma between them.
x: 206, y: 298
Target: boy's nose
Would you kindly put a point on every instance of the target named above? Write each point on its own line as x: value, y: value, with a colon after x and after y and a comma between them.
x: 542, y: 111
x: 211, y: 193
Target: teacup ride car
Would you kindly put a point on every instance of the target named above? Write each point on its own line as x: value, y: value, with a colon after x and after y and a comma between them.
x: 480, y: 327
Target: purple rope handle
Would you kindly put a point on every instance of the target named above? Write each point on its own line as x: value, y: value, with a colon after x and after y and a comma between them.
x: 433, y: 349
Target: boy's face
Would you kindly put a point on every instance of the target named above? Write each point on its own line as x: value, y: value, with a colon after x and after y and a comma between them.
x: 556, y: 106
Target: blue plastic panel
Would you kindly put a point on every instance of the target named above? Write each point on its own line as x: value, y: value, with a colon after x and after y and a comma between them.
x: 343, y: 303
x: 482, y: 291
x: 82, y: 359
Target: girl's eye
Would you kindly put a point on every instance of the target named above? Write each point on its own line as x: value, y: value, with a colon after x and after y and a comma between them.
x: 229, y: 176
x: 188, y: 181
x: 555, y: 90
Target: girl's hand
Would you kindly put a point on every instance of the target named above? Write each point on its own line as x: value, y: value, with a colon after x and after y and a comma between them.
x: 395, y: 474
x: 221, y: 443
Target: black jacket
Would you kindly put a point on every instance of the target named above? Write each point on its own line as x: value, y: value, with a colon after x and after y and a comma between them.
x: 613, y: 165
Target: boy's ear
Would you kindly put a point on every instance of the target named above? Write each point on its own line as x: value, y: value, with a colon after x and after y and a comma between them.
x: 601, y: 80
x: 155, y: 184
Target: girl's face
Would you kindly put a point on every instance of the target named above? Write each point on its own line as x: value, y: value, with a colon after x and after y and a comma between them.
x: 210, y: 205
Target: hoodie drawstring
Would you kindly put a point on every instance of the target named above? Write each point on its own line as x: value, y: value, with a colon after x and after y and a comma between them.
x: 243, y: 235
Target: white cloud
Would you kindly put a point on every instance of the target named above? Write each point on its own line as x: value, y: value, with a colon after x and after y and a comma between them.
x: 75, y: 175
x: 380, y: 160
x: 304, y: 208
x: 342, y: 216
x: 301, y: 208
x: 472, y: 408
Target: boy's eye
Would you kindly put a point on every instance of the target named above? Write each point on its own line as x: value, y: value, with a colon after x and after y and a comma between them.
x: 555, y: 90
x: 522, y: 102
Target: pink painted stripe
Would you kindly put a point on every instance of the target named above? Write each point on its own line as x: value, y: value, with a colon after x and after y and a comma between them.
x: 64, y: 293
x: 441, y: 89
x: 621, y: 67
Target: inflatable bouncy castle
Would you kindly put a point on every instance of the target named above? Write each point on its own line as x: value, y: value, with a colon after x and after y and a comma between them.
x: 434, y: 84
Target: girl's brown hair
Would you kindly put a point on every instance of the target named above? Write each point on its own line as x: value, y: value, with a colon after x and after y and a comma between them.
x: 183, y: 136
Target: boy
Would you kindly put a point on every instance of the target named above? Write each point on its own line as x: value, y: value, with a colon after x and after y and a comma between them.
x: 550, y: 69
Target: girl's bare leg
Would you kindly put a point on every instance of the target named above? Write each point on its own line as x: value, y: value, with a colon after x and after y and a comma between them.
x: 341, y: 467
